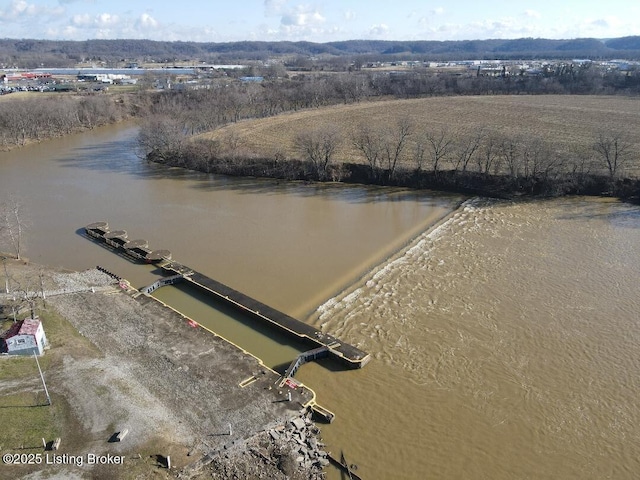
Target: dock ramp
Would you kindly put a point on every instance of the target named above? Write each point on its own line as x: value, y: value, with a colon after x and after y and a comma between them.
x: 162, y: 282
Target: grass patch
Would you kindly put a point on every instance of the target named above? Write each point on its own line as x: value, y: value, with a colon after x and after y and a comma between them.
x: 26, y: 420
x: 18, y: 368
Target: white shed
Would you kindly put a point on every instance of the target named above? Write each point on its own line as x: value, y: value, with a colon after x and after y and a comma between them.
x: 25, y: 338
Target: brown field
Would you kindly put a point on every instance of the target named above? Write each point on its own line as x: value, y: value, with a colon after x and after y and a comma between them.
x: 566, y: 122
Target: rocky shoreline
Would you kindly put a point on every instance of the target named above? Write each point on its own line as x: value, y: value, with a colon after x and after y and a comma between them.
x: 289, y: 451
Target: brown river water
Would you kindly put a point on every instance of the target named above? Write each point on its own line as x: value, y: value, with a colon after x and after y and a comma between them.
x: 505, y: 336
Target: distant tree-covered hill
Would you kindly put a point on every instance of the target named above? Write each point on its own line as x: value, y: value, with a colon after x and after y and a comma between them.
x: 32, y: 53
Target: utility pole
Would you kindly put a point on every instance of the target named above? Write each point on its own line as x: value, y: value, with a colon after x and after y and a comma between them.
x: 6, y: 275
x: 42, y: 377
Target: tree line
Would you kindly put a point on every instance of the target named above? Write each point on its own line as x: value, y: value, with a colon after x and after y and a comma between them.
x: 39, y: 117
x: 405, y: 154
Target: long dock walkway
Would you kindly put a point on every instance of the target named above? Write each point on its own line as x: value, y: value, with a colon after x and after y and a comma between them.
x: 137, y: 251
x: 343, y: 352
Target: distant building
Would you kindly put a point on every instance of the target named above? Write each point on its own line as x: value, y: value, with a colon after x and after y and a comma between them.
x: 109, y: 78
x: 25, y: 337
x: 251, y: 79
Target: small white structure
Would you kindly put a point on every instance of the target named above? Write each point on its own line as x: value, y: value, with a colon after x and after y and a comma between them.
x: 25, y: 337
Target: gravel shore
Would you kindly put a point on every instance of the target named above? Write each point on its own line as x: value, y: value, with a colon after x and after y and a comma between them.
x: 217, y: 410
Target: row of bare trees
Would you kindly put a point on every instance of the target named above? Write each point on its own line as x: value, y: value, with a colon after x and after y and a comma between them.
x: 40, y: 117
x: 402, y: 153
x: 484, y: 152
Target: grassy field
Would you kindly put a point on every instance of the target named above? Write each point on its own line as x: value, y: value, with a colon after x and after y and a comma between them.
x: 567, y: 122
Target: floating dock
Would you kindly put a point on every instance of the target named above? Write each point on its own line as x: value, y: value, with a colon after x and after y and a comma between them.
x: 321, y: 344
x: 343, y: 352
x: 117, y: 240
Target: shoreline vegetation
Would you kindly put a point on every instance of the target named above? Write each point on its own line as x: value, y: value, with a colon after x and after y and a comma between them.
x: 501, y: 186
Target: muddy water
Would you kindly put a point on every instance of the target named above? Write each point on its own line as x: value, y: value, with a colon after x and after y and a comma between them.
x: 505, y: 342
x: 289, y: 245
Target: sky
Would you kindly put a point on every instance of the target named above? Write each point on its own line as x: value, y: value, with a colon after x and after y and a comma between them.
x: 317, y: 21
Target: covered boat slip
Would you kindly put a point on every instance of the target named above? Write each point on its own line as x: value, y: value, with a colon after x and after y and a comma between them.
x: 117, y: 239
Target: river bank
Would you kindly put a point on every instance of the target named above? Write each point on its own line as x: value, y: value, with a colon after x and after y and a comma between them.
x: 117, y: 362
x: 498, y: 146
x: 494, y: 185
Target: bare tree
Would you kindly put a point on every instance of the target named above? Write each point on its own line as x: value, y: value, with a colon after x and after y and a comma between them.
x: 24, y: 295
x: 161, y: 138
x: 13, y: 225
x: 318, y: 147
x: 510, y: 152
x: 580, y: 161
x: 368, y: 143
x: 538, y: 159
x: 393, y: 144
x: 440, y: 144
x: 613, y: 150
x: 419, y: 152
x: 467, y: 148
x: 488, y: 154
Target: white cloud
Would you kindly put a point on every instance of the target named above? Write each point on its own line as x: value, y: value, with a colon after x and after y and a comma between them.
x: 301, y: 22
x: 302, y: 16
x: 146, y: 21
x: 67, y: 32
x: 532, y: 14
x: 17, y: 9
x: 437, y: 11
x: 106, y: 20
x: 349, y: 15
x: 81, y: 20
x: 379, y: 30
x: 20, y: 10
x: 102, y: 20
x: 600, y: 23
